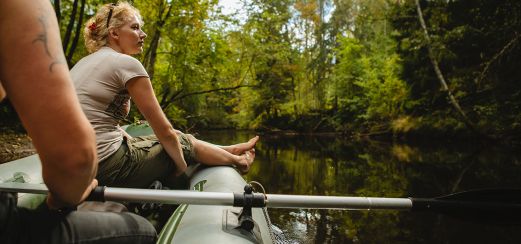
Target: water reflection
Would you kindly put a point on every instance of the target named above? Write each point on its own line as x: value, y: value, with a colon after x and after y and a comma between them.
x: 338, y: 166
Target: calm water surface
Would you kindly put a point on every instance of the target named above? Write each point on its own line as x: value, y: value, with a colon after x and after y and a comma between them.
x: 336, y: 166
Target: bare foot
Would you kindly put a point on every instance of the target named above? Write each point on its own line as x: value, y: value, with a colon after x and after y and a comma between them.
x: 246, y: 160
x: 240, y: 148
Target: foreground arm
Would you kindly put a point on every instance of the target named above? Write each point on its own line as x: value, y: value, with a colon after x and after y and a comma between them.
x: 142, y: 93
x: 2, y: 91
x: 36, y: 78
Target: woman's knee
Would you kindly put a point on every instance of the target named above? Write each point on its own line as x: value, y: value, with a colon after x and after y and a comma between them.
x: 191, y: 138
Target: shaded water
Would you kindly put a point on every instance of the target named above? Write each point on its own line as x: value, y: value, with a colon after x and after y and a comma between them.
x: 337, y: 166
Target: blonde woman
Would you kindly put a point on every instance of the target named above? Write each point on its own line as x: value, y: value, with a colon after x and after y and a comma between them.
x: 106, y: 81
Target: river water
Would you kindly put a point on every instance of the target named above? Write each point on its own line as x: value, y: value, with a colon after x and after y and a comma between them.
x: 338, y: 166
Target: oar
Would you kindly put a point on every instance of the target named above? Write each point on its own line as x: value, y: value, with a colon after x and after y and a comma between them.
x: 503, y: 205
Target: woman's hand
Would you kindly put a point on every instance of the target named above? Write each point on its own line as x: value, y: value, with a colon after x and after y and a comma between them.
x: 125, y: 134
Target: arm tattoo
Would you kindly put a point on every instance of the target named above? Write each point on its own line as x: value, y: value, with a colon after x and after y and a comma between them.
x: 42, y: 37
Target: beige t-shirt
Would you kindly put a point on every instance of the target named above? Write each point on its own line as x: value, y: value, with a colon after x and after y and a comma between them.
x: 100, y: 82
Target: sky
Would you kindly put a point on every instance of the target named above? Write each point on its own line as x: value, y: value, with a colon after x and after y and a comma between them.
x: 229, y: 6
x: 232, y: 6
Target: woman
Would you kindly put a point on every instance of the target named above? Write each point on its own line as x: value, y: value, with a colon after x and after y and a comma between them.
x: 107, y: 79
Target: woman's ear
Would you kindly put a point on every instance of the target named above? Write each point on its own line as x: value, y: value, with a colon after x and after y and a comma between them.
x: 113, y: 33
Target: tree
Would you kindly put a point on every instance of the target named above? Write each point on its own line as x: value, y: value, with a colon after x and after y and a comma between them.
x: 440, y: 76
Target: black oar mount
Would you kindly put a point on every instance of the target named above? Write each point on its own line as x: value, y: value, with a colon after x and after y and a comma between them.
x: 242, y: 223
x: 247, y: 201
x: 248, y: 198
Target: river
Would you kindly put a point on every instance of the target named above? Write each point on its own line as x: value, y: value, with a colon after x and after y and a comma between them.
x: 338, y: 166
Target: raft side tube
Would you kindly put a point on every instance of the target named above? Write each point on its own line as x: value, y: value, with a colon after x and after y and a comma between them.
x: 216, y: 224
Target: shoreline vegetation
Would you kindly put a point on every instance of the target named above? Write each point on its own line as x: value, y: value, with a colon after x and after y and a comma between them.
x: 15, y: 144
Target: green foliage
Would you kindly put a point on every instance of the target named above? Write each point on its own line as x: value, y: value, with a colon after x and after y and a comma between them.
x: 367, y: 84
x: 476, y: 45
x: 327, y: 65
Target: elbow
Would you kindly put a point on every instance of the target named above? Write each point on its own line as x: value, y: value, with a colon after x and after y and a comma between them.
x: 83, y: 163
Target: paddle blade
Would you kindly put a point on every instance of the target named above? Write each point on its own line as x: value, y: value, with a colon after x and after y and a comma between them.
x: 504, y: 195
x: 498, y: 206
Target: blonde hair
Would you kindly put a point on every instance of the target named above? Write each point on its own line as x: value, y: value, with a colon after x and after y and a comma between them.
x: 97, y: 28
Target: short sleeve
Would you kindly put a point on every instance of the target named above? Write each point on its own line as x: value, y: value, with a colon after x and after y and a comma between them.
x: 130, y: 67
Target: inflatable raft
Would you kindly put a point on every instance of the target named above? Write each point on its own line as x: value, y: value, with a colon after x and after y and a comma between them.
x: 189, y: 223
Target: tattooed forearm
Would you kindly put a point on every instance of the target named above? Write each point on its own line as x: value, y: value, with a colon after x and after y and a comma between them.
x: 42, y: 37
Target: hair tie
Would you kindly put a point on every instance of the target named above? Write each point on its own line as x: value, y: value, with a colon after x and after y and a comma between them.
x: 92, y: 26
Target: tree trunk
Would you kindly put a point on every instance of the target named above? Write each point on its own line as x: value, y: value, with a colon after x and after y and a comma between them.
x: 150, y: 56
x: 68, y: 32
x: 149, y: 60
x: 76, y: 34
x: 57, y: 10
x: 437, y: 70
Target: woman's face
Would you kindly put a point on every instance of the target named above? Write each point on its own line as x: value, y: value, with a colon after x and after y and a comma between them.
x: 131, y: 37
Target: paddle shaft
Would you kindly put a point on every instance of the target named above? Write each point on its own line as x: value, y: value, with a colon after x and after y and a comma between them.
x: 438, y: 205
x: 23, y: 187
x: 226, y: 199
x: 272, y: 200
x: 302, y: 201
x: 333, y: 202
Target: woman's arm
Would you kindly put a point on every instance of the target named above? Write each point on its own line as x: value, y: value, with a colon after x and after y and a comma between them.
x: 36, y: 78
x: 142, y: 93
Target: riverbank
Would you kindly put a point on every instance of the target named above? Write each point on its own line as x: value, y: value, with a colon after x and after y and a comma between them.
x: 14, y: 145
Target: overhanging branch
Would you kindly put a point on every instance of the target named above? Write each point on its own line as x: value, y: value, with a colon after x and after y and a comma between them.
x: 179, y: 96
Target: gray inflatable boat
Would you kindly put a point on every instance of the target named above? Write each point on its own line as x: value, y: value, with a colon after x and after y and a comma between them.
x: 189, y: 223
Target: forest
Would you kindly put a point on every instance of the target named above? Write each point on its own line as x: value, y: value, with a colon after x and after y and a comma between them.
x: 391, y: 68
